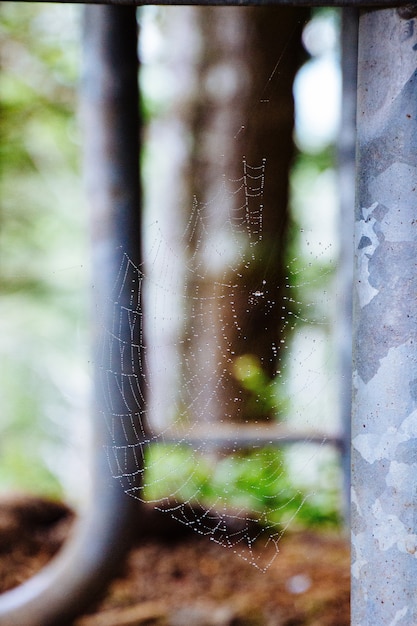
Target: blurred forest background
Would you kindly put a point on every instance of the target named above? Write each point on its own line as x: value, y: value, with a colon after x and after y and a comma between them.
x: 43, y: 252
x: 44, y: 280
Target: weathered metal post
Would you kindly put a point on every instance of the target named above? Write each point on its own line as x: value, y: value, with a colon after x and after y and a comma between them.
x: 110, y: 111
x: 110, y: 94
x: 384, y: 437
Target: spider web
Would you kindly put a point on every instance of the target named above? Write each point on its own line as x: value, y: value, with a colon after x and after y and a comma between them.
x: 189, y: 451
x: 180, y: 384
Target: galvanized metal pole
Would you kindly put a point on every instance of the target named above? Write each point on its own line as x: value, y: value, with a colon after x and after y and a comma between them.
x: 72, y: 581
x: 384, y: 430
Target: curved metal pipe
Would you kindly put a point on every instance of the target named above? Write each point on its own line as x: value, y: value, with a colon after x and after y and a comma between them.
x: 81, y: 570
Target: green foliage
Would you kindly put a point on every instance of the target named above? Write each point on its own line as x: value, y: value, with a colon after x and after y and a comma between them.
x: 312, y: 266
x: 256, y: 481
x: 43, y: 295
x: 265, y: 396
x: 22, y: 470
x: 42, y: 246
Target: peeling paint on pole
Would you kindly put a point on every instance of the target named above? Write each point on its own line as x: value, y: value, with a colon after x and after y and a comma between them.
x: 384, y: 427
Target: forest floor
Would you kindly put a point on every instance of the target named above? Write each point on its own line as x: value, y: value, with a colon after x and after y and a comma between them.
x: 175, y: 578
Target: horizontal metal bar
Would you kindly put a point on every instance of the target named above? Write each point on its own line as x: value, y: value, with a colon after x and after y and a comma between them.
x: 238, y: 436
x: 295, y: 3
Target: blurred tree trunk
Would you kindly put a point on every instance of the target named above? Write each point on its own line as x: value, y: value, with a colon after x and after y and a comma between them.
x: 234, y: 110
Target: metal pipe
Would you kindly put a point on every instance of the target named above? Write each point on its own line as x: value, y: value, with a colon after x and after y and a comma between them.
x: 242, y: 437
x: 299, y: 3
x: 384, y: 428
x: 346, y: 153
x: 56, y: 595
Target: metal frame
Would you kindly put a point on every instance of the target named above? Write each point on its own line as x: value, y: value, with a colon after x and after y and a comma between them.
x: 63, y: 589
x: 384, y: 425
x: 306, y: 3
